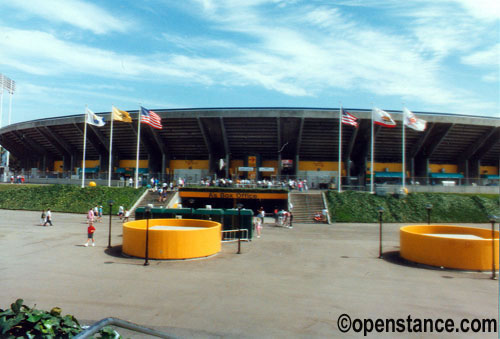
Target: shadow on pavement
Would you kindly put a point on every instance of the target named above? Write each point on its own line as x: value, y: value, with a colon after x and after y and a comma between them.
x: 395, y: 258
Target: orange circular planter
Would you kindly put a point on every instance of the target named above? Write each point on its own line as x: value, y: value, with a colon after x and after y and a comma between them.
x: 172, y: 238
x: 466, y: 248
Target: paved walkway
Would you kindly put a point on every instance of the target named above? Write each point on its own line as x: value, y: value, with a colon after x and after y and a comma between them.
x: 289, y: 283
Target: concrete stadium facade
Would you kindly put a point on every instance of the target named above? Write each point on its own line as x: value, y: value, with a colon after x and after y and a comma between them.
x: 272, y: 142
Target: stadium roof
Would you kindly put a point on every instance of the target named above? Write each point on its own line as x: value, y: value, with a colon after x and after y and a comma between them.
x: 310, y: 133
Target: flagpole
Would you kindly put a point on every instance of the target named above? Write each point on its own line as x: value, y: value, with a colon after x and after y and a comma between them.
x: 340, y: 150
x: 110, y: 147
x: 84, y: 146
x: 371, y: 165
x: 138, y: 144
x: 404, y: 151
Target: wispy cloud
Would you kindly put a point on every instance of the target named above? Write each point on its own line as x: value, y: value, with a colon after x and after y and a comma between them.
x: 297, y: 48
x: 487, y: 57
x: 24, y: 49
x: 482, y: 9
x: 310, y: 49
x: 76, y: 13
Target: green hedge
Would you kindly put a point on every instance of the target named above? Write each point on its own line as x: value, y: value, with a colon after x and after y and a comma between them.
x: 362, y: 207
x: 66, y: 198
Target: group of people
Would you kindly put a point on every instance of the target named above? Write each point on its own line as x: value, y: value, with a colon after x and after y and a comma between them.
x: 95, y: 215
x: 299, y: 184
x: 123, y: 214
x: 321, y: 216
x: 18, y: 179
x: 282, y: 218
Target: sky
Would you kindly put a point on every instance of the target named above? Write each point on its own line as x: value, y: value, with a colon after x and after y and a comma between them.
x: 430, y: 56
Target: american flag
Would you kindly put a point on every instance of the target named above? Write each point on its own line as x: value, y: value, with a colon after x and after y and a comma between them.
x: 150, y: 118
x: 349, y: 119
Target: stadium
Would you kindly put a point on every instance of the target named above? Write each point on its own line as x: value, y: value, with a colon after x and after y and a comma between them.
x: 260, y: 143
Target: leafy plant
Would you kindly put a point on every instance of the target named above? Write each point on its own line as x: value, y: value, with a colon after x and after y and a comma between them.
x: 20, y: 321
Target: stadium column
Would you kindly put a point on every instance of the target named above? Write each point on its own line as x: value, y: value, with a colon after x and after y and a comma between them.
x: 163, y: 166
x: 474, y: 168
x: 426, y: 171
x: 296, y: 164
x: 279, y: 165
x: 463, y: 167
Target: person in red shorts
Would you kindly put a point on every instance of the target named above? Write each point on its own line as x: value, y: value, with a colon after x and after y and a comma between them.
x: 90, y: 234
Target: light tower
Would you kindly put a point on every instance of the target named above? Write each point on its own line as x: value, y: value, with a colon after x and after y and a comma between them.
x: 10, y: 86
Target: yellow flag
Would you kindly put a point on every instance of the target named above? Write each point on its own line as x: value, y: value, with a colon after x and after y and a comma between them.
x: 120, y: 115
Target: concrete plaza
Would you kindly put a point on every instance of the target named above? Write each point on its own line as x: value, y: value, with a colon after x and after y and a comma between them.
x: 289, y: 283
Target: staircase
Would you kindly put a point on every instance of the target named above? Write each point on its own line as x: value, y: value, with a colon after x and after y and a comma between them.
x: 305, y: 205
x: 152, y: 198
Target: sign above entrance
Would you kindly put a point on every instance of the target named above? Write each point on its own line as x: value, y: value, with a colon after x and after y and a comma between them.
x: 245, y: 169
x: 233, y: 195
x: 266, y: 169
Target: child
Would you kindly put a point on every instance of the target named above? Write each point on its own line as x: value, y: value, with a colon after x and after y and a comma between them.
x: 90, y: 235
x: 258, y: 226
x: 42, y: 218
x: 90, y: 216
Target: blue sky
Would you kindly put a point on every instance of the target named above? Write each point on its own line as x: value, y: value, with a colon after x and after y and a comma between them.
x: 433, y: 56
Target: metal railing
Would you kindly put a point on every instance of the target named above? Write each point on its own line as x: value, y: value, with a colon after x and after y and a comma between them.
x: 232, y: 235
x: 89, y: 332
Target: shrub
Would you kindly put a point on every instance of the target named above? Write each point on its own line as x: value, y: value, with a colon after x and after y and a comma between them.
x: 362, y: 207
x: 20, y: 321
x: 65, y: 198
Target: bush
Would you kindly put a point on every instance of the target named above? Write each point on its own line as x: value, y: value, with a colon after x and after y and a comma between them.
x: 362, y: 207
x: 20, y: 321
x: 65, y: 198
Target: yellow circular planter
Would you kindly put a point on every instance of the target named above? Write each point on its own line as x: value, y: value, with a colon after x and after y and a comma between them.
x: 172, y: 238
x: 467, y: 248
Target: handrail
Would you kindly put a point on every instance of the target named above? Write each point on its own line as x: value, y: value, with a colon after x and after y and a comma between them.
x: 123, y: 324
x: 325, y: 206
x: 234, y: 232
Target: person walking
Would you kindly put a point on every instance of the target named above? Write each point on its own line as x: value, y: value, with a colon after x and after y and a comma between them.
x: 42, y: 218
x: 126, y: 216
x: 291, y: 219
x: 48, y: 218
x: 261, y: 214
x: 120, y: 212
x: 90, y: 216
x: 96, y: 214
x: 90, y: 235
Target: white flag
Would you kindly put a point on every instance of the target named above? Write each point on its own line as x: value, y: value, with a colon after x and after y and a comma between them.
x: 93, y: 119
x: 412, y: 121
x: 382, y: 118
